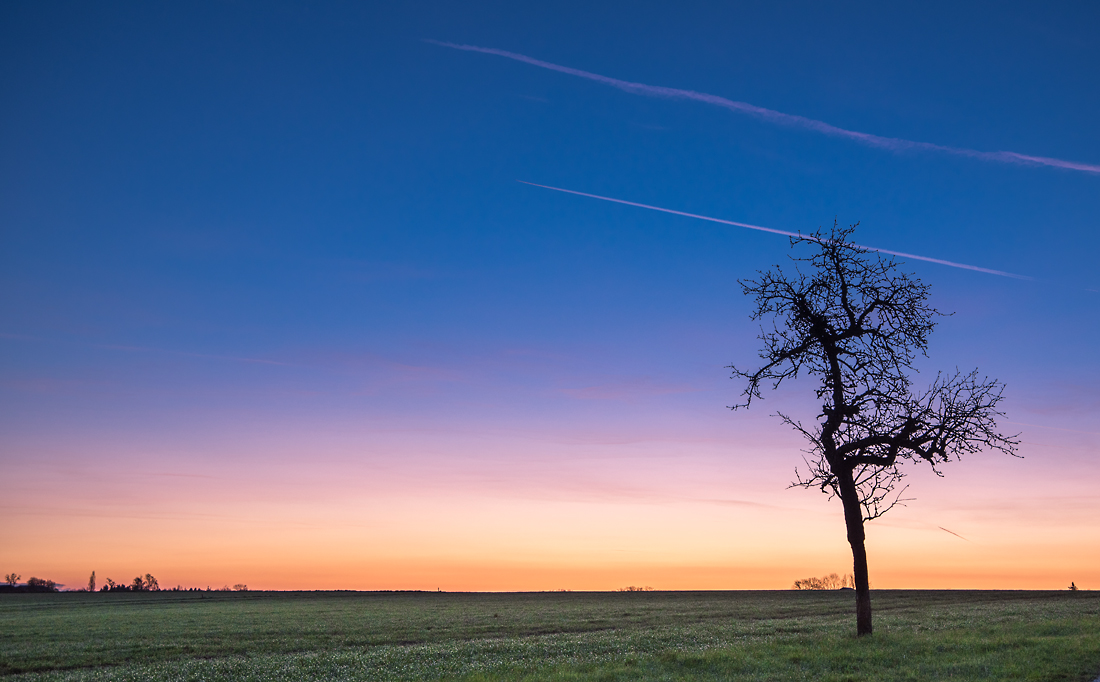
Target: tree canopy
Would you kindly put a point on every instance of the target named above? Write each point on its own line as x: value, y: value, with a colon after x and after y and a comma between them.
x: 855, y: 322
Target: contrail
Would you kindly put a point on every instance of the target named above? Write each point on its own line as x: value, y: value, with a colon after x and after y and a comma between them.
x: 952, y: 532
x: 775, y: 231
x: 891, y: 143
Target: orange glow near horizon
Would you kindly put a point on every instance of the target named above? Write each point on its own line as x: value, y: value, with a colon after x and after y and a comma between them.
x: 605, y: 517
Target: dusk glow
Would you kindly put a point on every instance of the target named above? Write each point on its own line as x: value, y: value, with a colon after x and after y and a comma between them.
x: 276, y: 311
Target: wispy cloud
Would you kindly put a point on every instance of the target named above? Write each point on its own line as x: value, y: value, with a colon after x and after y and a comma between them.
x: 774, y: 231
x: 626, y: 390
x: 145, y: 349
x: 1053, y: 428
x: 231, y: 358
x: 44, y: 385
x: 778, y: 117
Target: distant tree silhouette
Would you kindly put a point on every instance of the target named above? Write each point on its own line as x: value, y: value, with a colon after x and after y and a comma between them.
x: 856, y: 323
x: 40, y: 585
x: 240, y: 587
x: 91, y: 582
x: 146, y: 583
x: 12, y: 579
x: 827, y: 582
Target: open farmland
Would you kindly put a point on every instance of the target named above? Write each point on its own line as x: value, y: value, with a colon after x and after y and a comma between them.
x: 788, y: 635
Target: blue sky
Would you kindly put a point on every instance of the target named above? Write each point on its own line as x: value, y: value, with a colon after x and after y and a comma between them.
x: 223, y: 224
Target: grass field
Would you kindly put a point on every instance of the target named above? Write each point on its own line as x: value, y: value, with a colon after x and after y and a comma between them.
x: 920, y: 635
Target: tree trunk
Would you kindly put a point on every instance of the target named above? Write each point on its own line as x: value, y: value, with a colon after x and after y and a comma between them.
x: 853, y: 519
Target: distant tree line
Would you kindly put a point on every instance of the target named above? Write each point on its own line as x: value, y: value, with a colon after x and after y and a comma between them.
x: 11, y: 584
x: 826, y: 582
x: 145, y: 583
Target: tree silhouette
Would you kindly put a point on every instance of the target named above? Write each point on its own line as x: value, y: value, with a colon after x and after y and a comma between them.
x: 41, y: 585
x: 827, y: 582
x: 856, y: 323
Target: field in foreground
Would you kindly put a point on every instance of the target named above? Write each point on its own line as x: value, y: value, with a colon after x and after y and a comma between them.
x: 919, y: 635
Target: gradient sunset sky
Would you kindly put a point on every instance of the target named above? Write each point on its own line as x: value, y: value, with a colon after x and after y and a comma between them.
x: 275, y: 310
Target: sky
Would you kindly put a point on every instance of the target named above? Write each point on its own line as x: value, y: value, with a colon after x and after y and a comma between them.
x: 279, y: 307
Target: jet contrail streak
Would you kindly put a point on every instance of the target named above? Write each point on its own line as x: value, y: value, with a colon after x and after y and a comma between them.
x: 774, y: 231
x: 952, y: 532
x: 891, y: 143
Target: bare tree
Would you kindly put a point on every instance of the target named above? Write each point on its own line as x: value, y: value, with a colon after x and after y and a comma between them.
x: 12, y: 579
x: 856, y: 323
x: 91, y: 582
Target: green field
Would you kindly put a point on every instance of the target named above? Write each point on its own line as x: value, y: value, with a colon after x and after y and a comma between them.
x: 788, y: 635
